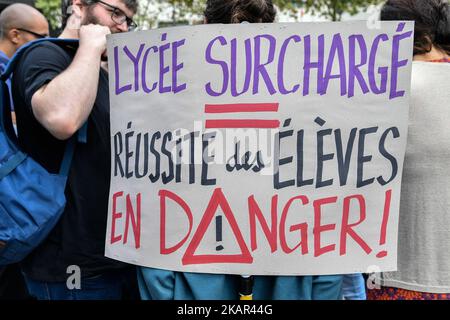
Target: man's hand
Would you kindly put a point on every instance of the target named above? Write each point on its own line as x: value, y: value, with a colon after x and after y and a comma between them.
x: 93, y: 37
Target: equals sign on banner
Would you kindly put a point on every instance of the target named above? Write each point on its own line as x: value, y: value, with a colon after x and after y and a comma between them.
x: 241, y: 123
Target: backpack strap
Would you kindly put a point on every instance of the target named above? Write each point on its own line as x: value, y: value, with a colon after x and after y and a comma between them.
x: 12, y: 163
x: 6, y: 125
x: 5, y: 107
x: 67, y: 158
x: 19, y: 53
x: 82, y: 133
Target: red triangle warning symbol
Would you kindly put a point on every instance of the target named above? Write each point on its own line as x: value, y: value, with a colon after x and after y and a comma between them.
x: 217, y: 199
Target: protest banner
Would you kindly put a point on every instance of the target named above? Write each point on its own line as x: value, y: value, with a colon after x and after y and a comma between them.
x: 271, y: 149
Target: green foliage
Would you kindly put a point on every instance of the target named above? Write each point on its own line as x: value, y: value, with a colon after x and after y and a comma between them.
x: 333, y: 9
x: 179, y: 9
x: 291, y: 5
x: 51, y: 10
x: 146, y: 14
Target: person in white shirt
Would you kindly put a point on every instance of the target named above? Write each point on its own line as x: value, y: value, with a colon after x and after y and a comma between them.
x: 424, y: 225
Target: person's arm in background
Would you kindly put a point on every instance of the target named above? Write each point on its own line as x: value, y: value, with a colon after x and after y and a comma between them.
x: 64, y: 104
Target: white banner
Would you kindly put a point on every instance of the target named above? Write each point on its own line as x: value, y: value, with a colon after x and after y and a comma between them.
x: 270, y: 149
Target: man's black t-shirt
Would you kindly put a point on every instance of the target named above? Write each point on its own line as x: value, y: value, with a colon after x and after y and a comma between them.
x: 79, y: 237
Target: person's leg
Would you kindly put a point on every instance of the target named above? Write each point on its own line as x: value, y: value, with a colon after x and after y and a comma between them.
x: 47, y: 291
x: 130, y: 290
x: 327, y: 287
x: 353, y: 287
x: 12, y: 284
x: 282, y: 288
x: 158, y: 284
x: 106, y: 286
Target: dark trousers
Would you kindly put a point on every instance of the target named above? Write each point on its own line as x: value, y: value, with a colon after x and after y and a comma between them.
x: 12, y: 284
x: 111, y: 285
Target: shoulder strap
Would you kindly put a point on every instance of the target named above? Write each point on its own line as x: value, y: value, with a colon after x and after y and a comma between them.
x: 5, y: 105
x: 16, y: 58
x: 5, y: 115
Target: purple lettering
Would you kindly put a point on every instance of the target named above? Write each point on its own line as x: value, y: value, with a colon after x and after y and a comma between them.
x: 222, y: 64
x: 336, y: 48
x: 248, y: 67
x: 383, y: 71
x: 260, y: 68
x: 135, y: 60
x: 308, y: 64
x: 127, y: 87
x: 281, y: 86
x: 354, y: 72
x: 177, y: 66
x: 396, y: 64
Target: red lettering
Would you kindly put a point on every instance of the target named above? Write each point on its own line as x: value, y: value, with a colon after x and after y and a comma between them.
x: 384, y: 223
x: 347, y: 228
x: 135, y: 221
x: 255, y: 212
x: 303, y: 227
x: 318, y: 228
x: 217, y: 200
x: 272, y: 227
x: 163, y: 194
x: 115, y: 215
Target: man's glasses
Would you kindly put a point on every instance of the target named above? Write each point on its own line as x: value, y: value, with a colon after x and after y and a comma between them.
x: 37, y: 35
x: 119, y: 17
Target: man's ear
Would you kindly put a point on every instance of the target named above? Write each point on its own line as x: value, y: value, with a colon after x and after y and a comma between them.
x: 74, y: 20
x: 14, y: 36
x: 77, y: 3
x: 75, y: 7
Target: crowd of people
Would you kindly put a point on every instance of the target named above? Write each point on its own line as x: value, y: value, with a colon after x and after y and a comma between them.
x: 56, y: 89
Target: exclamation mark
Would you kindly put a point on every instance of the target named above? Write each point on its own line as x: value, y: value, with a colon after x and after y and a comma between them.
x: 384, y: 223
x: 219, y: 232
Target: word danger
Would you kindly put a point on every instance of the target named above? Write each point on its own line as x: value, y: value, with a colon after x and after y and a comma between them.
x: 275, y: 229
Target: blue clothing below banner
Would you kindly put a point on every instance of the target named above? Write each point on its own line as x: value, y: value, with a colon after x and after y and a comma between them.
x: 157, y: 284
x: 110, y: 285
x: 92, y: 289
x: 354, y: 287
x: 3, y: 63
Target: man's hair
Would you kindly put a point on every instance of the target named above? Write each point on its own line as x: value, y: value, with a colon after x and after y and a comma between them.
x: 66, y: 7
x: 236, y: 11
x: 18, y: 15
x: 432, y: 21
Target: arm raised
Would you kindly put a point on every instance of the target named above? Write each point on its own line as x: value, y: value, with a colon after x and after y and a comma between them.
x: 64, y: 104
